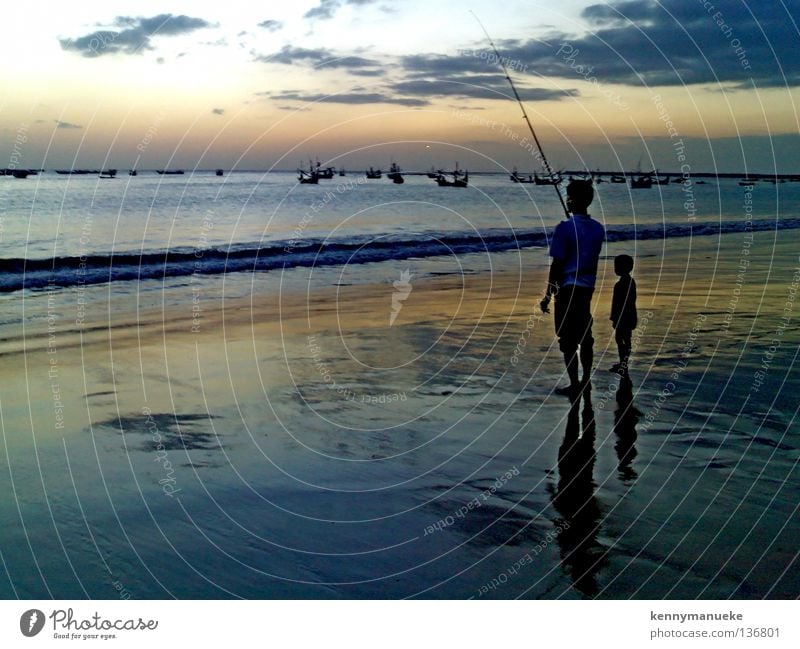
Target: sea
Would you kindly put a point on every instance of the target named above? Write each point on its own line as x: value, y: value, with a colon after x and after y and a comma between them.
x: 155, y: 231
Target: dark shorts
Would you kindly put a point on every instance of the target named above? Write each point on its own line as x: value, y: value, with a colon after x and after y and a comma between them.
x: 573, y: 317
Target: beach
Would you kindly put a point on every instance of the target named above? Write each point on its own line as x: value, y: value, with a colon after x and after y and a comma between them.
x: 399, y: 437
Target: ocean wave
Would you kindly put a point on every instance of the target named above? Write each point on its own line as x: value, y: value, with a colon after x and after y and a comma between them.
x: 18, y: 274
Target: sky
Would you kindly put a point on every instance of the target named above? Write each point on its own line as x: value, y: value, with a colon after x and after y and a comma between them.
x: 705, y: 84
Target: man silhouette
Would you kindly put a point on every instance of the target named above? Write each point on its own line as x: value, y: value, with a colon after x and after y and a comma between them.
x: 575, y: 249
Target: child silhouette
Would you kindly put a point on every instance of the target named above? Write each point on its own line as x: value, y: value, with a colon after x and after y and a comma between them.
x: 623, y: 311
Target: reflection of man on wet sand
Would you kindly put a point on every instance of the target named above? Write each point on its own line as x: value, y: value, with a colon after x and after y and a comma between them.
x: 575, y: 501
x: 575, y: 249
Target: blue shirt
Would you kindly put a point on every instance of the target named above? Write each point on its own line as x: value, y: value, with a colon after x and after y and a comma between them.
x: 577, y: 243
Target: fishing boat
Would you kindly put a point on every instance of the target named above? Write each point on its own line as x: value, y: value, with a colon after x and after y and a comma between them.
x: 395, y: 175
x: 517, y: 178
x: 342, y: 172
x: 220, y: 172
x: 433, y: 173
x: 373, y: 174
x: 657, y: 180
x: 617, y: 179
x: 642, y: 182
x: 133, y: 172
x: 460, y: 178
x: 327, y: 173
x: 310, y: 177
x: 109, y: 173
x: 169, y: 172
x: 20, y: 173
x: 555, y: 179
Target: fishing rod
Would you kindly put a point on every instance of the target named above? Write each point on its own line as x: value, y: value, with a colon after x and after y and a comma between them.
x: 542, y: 156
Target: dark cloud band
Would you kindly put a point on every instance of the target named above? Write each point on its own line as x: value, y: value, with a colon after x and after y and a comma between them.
x: 133, y: 35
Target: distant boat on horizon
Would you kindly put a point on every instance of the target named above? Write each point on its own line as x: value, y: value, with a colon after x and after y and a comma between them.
x: 18, y: 173
x: 110, y: 173
x: 310, y: 177
x: 555, y: 179
x: 220, y: 172
x: 325, y: 174
x: 395, y: 175
x: 659, y: 180
x: 460, y: 178
x: 169, y: 172
x: 516, y: 178
x: 374, y: 174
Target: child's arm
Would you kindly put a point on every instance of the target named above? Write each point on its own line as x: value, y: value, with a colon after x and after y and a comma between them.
x: 615, y: 305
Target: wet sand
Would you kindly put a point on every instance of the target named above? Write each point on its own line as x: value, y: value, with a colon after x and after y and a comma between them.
x: 294, y: 444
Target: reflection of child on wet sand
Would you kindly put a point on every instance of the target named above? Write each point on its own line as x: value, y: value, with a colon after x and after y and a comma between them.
x: 623, y: 311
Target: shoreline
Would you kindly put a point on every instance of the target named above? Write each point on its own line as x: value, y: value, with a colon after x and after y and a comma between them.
x: 264, y: 304
x: 79, y: 272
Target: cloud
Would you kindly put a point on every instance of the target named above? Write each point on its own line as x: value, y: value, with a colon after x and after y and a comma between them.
x: 648, y: 42
x: 367, y: 73
x: 417, y: 78
x: 218, y: 111
x: 326, y: 9
x: 271, y: 25
x: 133, y: 35
x: 471, y: 74
x: 66, y: 125
x: 673, y: 42
x: 476, y: 87
x: 346, y: 98
x: 437, y: 65
x: 322, y: 58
